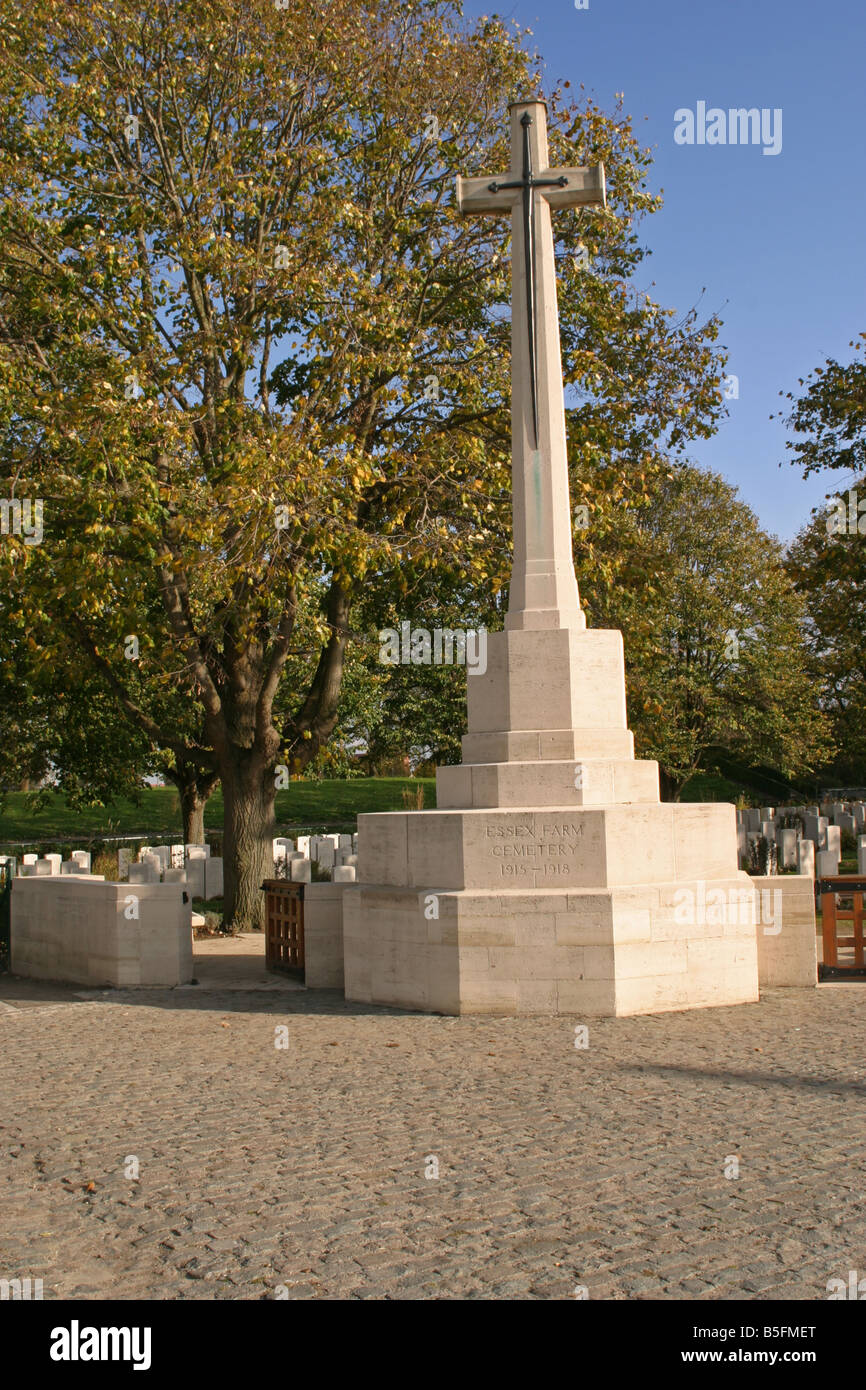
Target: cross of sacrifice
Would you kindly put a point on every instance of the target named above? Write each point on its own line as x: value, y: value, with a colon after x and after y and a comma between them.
x: 543, y: 590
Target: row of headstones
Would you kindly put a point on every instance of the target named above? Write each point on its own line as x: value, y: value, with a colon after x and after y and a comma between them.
x: 817, y: 849
x: 191, y: 865
x: 194, y: 865
x: 334, y: 854
x: 50, y: 865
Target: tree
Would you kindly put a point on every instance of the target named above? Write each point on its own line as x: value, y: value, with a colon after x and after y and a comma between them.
x: 826, y: 560
x: 415, y: 708
x: 828, y: 568
x: 255, y: 362
x: 716, y: 663
x: 64, y: 729
x: 830, y: 417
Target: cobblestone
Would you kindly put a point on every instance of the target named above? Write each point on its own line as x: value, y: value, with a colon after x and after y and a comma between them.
x: 305, y: 1167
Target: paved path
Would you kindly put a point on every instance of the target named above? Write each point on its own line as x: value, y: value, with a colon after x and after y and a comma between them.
x: 305, y: 1167
x: 237, y: 963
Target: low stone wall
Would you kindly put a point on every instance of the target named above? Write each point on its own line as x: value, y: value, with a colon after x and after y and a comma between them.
x: 787, y: 945
x: 323, y: 935
x: 89, y: 932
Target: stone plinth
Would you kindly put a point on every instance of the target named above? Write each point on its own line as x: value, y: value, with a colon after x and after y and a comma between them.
x: 588, y: 911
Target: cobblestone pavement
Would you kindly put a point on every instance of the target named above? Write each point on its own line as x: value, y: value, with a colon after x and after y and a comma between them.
x: 305, y: 1166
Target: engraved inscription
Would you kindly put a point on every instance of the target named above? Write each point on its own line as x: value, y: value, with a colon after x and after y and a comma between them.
x: 524, y: 849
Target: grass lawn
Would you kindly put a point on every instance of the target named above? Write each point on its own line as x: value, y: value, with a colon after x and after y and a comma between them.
x: 332, y: 804
x: 303, y: 805
x: 711, y: 787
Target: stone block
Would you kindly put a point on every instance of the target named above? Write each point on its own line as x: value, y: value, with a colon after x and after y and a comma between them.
x: 323, y: 936
x: 787, y: 944
x: 76, y: 928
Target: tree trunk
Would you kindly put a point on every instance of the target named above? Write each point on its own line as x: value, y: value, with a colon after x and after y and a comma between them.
x: 192, y: 809
x: 249, y: 793
x: 670, y: 787
x: 194, y: 786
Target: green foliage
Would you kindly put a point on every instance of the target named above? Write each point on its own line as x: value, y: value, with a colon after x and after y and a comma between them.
x: 715, y: 658
x: 230, y: 258
x: 829, y: 416
x: 828, y: 570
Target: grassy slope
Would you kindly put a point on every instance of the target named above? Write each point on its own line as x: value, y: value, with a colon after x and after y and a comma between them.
x: 301, y: 804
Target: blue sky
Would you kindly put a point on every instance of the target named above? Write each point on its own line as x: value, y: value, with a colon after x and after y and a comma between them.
x: 776, y: 241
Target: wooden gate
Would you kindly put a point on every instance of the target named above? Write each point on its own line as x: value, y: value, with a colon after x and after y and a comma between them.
x: 284, y: 925
x: 7, y: 873
x: 843, y: 955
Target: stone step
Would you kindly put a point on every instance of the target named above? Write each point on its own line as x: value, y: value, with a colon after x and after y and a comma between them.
x: 591, y: 782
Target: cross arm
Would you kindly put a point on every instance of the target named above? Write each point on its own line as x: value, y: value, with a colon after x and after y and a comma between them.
x: 474, y: 195
x: 584, y: 187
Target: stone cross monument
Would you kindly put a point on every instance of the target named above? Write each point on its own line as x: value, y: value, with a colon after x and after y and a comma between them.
x: 550, y: 878
x: 543, y: 589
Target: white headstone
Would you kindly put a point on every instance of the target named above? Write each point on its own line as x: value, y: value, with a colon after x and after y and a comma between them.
x: 301, y: 871
x: 811, y: 827
x: 82, y: 857
x: 195, y: 875
x: 826, y: 864
x: 145, y: 871
x: 29, y: 858
x: 213, y: 878
x: 325, y: 855
x: 343, y: 873
x: 806, y: 857
x: 124, y: 859
x: 861, y: 855
x: 834, y: 840
x: 787, y: 842
x: 155, y: 863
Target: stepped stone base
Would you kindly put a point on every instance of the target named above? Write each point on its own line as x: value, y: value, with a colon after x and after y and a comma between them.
x: 551, y: 878
x: 591, y: 911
